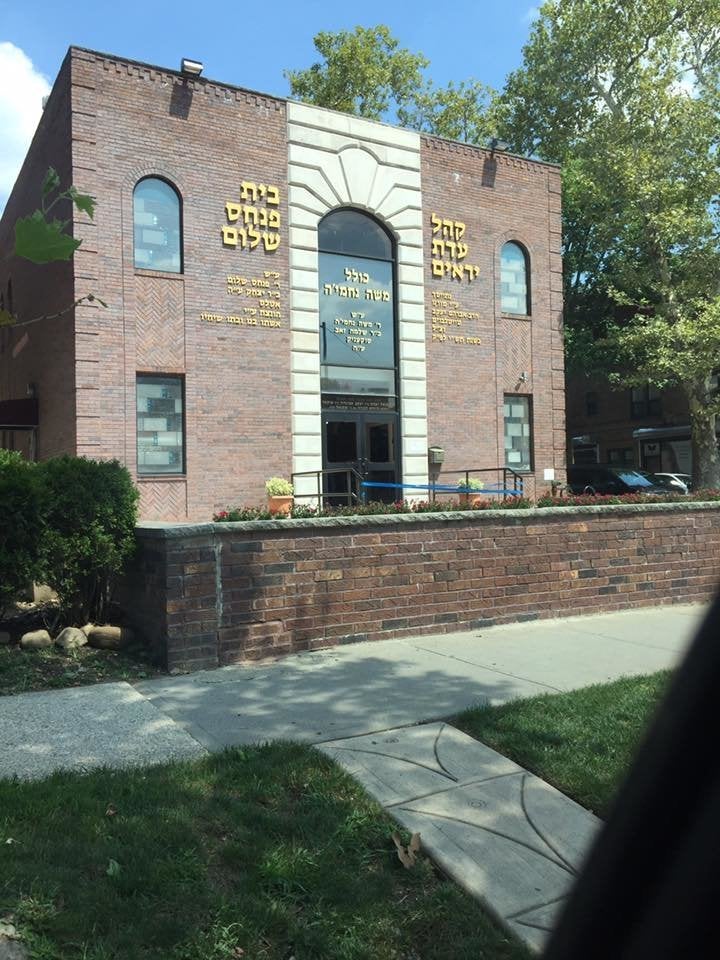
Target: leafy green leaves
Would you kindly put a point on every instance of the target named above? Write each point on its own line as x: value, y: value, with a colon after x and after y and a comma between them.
x: 43, y: 240
x: 363, y: 72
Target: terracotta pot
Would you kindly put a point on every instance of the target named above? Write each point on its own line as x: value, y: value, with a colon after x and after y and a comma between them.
x: 280, y: 506
x: 471, y: 499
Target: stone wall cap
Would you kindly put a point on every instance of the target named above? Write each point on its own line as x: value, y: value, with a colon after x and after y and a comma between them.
x: 151, y: 529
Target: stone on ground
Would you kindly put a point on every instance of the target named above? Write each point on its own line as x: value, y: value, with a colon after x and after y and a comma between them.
x: 70, y: 639
x: 108, y: 637
x: 36, y: 640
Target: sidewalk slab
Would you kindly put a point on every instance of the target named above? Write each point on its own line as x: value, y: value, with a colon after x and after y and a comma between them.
x: 401, y: 765
x: 356, y: 689
x: 507, y: 837
x: 109, y: 724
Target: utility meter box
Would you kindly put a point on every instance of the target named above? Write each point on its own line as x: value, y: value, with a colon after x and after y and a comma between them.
x: 436, y: 455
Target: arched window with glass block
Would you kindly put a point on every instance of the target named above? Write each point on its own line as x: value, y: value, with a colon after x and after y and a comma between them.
x: 157, y: 223
x: 515, y: 280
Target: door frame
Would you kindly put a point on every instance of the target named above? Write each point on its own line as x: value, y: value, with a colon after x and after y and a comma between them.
x: 361, y: 418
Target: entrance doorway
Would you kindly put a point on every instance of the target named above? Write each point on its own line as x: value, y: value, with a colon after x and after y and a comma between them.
x: 366, y: 443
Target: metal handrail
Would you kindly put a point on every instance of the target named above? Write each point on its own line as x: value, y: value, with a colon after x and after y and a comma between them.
x: 349, y: 494
x: 508, y: 475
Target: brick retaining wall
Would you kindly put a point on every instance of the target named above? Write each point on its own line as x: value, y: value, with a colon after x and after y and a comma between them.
x: 211, y: 594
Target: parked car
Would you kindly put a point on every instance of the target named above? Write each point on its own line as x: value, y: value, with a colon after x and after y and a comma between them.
x: 599, y: 478
x: 677, y: 482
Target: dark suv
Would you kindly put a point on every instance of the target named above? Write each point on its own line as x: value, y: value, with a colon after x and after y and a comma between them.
x: 598, y: 478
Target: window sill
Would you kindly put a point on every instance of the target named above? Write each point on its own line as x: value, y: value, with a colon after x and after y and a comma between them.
x: 515, y: 316
x: 163, y: 274
x: 164, y: 477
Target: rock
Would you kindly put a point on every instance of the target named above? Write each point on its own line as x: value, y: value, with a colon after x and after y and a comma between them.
x: 70, y: 639
x: 5, y: 638
x: 87, y: 628
x: 12, y: 949
x: 36, y: 640
x: 110, y: 638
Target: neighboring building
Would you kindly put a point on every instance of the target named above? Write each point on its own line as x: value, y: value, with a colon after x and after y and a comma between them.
x: 288, y: 289
x: 640, y: 427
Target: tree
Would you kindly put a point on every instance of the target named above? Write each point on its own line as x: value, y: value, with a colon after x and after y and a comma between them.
x: 626, y: 97
x: 364, y: 72
x: 40, y: 239
x: 458, y: 112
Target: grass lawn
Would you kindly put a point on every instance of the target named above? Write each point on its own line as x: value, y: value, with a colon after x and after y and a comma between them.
x: 25, y: 670
x: 265, y: 853
x: 581, y: 742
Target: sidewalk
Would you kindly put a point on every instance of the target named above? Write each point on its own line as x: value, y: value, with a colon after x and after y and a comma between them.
x: 507, y: 837
x: 332, y: 694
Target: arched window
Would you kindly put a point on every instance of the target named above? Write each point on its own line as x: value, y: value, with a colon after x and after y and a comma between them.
x: 358, y: 365
x: 357, y: 309
x: 157, y: 226
x: 514, y: 280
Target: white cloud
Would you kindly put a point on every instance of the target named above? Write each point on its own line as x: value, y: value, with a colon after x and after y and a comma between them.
x: 22, y: 88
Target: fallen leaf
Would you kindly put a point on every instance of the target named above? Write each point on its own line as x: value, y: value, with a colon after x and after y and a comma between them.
x: 407, y: 855
x: 113, y: 868
x: 12, y: 840
x: 111, y: 811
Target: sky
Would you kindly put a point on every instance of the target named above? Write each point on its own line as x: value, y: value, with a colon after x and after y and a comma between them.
x: 482, y: 39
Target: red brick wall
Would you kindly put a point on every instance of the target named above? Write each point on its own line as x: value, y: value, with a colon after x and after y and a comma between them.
x: 508, y: 199
x: 215, y: 594
x: 43, y: 352
x: 131, y: 121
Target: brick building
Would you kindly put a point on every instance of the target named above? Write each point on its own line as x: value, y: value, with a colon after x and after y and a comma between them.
x: 288, y: 289
x: 640, y: 427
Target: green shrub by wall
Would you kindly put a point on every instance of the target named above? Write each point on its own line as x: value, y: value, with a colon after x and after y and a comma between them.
x: 21, y: 525
x: 90, y: 510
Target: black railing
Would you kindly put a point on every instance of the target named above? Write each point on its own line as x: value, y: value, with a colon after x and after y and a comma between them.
x: 344, y: 485
x: 507, y: 482
x: 350, y: 491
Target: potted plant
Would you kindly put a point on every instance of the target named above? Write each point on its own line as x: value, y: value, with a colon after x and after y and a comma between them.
x: 469, y: 491
x: 280, y: 496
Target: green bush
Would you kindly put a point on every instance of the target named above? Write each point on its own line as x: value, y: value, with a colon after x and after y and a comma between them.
x: 90, y: 509
x: 21, y: 525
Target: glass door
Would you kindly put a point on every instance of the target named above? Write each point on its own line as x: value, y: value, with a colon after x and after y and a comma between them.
x: 365, y: 443
x: 379, y: 449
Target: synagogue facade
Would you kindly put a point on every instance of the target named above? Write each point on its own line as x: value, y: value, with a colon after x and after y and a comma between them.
x: 279, y: 289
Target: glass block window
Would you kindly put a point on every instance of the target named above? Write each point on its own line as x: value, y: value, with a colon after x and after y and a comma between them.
x: 158, y: 234
x: 160, y: 425
x: 518, y: 432
x: 514, y: 280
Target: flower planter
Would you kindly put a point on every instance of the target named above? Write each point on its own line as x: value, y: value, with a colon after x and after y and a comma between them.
x: 471, y: 499
x: 280, y: 506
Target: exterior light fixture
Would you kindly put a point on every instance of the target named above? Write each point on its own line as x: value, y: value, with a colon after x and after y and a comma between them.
x: 498, y: 146
x: 193, y: 67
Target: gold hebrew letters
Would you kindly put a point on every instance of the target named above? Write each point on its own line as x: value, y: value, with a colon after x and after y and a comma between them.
x: 448, y: 247
x: 251, y: 222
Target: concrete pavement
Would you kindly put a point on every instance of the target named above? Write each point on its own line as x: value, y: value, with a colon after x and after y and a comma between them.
x: 361, y: 688
x: 507, y: 837
x: 335, y: 693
